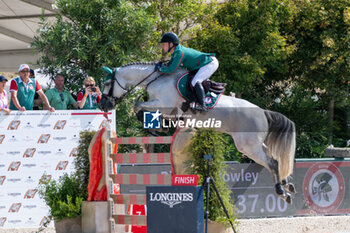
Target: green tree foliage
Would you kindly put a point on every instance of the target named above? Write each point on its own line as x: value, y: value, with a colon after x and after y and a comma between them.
x: 178, y: 16
x: 321, y: 34
x: 89, y: 34
x: 64, y: 197
x: 303, y: 107
x: 268, y: 49
x: 246, y: 37
x: 207, y: 141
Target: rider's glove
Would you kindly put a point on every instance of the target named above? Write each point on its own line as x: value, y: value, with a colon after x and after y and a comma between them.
x: 158, y: 66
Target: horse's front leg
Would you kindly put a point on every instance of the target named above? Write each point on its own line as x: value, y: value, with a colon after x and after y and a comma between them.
x: 141, y: 107
x: 152, y: 105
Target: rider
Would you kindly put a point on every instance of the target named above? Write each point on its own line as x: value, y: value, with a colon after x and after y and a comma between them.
x: 191, y: 59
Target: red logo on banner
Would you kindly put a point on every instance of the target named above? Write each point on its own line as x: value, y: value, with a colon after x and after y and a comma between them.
x: 2, y: 137
x: 29, y: 153
x: 13, y: 125
x: 62, y: 165
x: 74, y: 152
x: 45, y: 221
x: 15, y: 207
x: 2, y: 179
x: 323, y: 187
x: 45, y: 179
x: 60, y: 124
x: 2, y: 221
x: 184, y: 180
x: 44, y: 138
x: 14, y: 166
x: 30, y: 194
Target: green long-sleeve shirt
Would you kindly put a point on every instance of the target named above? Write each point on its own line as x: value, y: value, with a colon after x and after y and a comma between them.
x: 188, y: 58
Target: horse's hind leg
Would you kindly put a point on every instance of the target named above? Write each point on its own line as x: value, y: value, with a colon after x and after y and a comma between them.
x: 253, y: 148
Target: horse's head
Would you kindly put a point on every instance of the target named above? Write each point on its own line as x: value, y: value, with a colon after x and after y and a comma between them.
x: 121, y: 81
x: 109, y: 99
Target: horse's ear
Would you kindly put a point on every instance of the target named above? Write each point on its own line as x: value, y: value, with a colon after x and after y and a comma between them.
x: 107, y: 70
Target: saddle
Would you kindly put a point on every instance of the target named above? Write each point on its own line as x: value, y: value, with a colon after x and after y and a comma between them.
x: 210, y: 85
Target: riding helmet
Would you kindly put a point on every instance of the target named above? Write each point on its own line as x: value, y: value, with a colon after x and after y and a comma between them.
x: 170, y: 37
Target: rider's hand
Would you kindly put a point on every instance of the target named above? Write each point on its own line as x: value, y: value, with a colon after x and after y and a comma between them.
x: 158, y: 66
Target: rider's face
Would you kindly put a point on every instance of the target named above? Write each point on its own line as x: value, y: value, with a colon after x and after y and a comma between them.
x: 165, y: 47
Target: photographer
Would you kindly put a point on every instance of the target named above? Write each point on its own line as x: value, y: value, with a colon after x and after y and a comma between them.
x: 91, y: 96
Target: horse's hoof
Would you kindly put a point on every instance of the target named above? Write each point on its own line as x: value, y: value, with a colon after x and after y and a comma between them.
x: 287, y: 198
x: 291, y: 188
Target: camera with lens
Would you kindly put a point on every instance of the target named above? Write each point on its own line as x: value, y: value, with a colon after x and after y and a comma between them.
x: 93, y: 89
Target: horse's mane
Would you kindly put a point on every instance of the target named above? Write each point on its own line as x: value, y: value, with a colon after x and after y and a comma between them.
x: 145, y: 64
x: 138, y: 63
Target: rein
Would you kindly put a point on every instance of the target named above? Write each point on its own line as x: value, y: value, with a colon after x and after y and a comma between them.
x: 127, y: 91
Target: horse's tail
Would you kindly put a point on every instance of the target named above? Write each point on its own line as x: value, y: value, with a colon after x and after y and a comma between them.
x: 280, y: 142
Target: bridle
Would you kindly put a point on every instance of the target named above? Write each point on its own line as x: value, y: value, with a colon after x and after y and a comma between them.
x: 116, y: 100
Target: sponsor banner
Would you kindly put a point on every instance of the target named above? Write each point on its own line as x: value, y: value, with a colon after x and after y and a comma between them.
x: 183, y: 203
x: 322, y: 188
x: 325, y: 188
x: 38, y: 146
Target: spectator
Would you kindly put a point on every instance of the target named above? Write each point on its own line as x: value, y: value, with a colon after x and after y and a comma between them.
x: 23, y: 90
x: 91, y: 96
x: 4, y: 102
x: 37, y: 100
x: 60, y: 99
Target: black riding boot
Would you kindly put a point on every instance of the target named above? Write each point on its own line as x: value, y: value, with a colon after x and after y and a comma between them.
x: 200, y: 96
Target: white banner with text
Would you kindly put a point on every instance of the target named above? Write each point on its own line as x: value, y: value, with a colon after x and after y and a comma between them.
x: 37, y: 146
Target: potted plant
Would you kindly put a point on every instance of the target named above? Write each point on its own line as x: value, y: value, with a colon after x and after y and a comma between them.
x: 64, y: 199
x: 215, y: 145
x: 65, y: 196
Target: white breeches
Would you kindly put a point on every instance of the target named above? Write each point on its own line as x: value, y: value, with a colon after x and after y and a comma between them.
x: 206, y: 71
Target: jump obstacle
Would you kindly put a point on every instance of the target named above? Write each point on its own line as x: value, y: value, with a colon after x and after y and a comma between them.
x: 116, y: 214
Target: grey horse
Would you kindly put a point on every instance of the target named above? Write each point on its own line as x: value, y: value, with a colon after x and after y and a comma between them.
x: 266, y: 137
